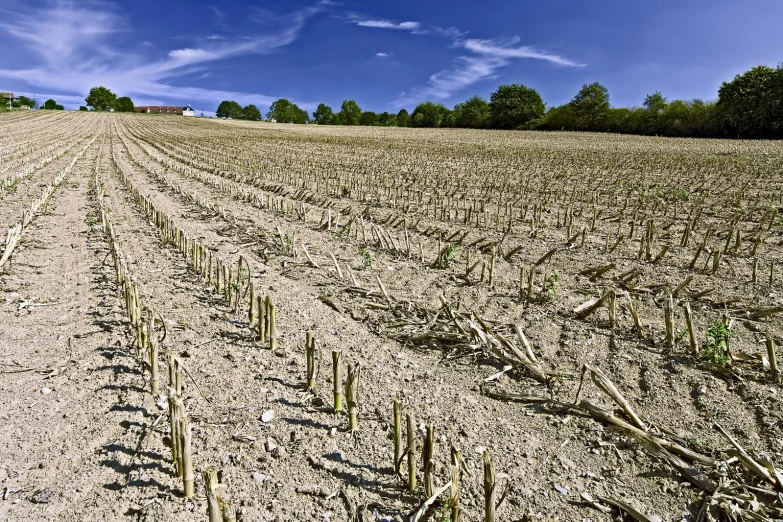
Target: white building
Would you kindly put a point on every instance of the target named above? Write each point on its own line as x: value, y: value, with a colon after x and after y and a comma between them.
x: 188, y: 111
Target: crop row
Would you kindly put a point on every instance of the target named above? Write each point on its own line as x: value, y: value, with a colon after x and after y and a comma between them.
x: 526, y: 277
x: 494, y: 341
x: 15, y: 232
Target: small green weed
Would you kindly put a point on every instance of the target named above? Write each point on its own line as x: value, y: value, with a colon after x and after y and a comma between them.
x: 680, y: 336
x: 551, y: 287
x: 442, y: 513
x: 288, y: 245
x: 449, y: 255
x: 91, y: 220
x: 648, y: 193
x: 343, y: 232
x: 367, y: 257
x: 560, y: 378
x: 716, y: 347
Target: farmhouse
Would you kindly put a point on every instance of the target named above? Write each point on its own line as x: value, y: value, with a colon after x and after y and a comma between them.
x: 7, y: 96
x: 159, y: 109
x: 188, y: 111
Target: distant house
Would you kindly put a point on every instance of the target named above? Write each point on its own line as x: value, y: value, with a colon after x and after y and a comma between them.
x: 188, y: 111
x: 7, y: 96
x: 159, y: 109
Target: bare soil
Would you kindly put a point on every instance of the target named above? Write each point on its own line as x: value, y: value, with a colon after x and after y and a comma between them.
x: 82, y: 437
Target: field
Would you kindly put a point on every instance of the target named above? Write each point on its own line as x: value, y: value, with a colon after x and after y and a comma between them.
x: 570, y: 326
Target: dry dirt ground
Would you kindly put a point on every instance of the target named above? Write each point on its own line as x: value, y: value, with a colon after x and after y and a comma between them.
x: 83, y: 438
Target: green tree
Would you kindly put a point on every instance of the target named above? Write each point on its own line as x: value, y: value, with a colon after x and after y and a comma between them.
x: 676, y: 119
x: 302, y: 116
x: 430, y: 114
x: 101, y: 99
x: 617, y: 119
x: 251, y: 112
x: 590, y: 106
x: 350, y: 113
x: 368, y: 119
x: 284, y: 111
x: 403, y: 118
x: 229, y: 109
x: 635, y: 122
x: 123, y: 104
x: 654, y: 104
x: 473, y: 113
x: 512, y: 106
x: 705, y: 118
x: 83, y: 108
x: 557, y: 118
x: 751, y: 105
x: 51, y: 105
x: 447, y: 116
x: 323, y: 115
x: 386, y: 119
x: 24, y: 101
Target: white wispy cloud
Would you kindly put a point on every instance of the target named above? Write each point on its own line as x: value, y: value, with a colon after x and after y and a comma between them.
x: 448, y: 32
x: 442, y: 85
x: 57, y: 34
x: 484, y: 58
x: 218, y: 13
x: 412, y: 27
x: 182, y: 57
x: 387, y: 24
x: 75, y: 45
x: 497, y: 50
x: 487, y: 58
x: 383, y: 55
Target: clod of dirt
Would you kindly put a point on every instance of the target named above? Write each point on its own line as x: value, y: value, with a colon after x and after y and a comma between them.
x: 280, y: 452
x: 260, y: 478
x: 270, y: 444
x: 313, y: 489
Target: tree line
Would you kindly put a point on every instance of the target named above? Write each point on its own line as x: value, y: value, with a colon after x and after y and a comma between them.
x: 749, y: 106
x: 103, y: 99
x: 281, y: 110
x: 24, y: 101
x: 99, y: 98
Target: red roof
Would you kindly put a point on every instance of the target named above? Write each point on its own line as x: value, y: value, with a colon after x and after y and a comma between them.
x: 159, y: 109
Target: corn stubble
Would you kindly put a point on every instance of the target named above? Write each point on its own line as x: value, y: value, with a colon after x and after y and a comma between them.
x: 615, y: 217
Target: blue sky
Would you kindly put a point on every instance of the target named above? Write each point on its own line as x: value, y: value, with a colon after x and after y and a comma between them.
x: 385, y: 55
